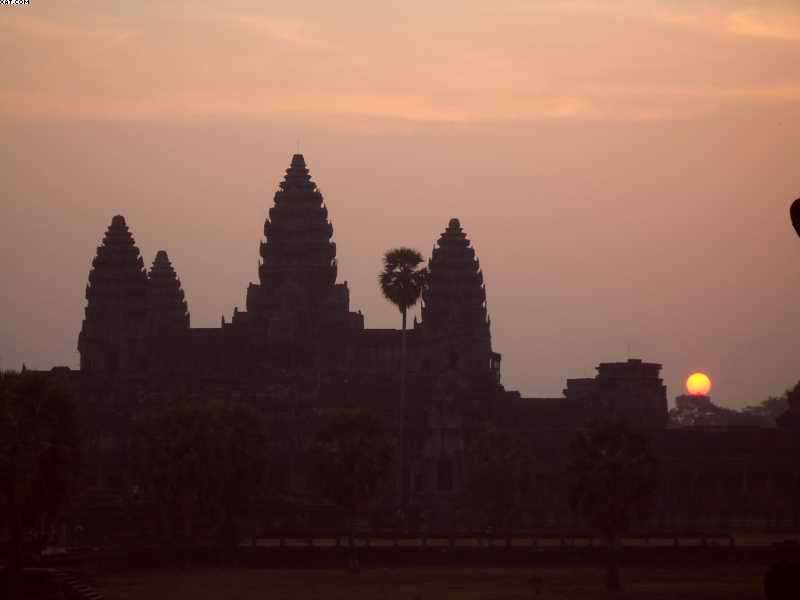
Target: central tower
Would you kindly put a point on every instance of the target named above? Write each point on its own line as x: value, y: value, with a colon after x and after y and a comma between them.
x: 297, y: 272
x: 298, y: 256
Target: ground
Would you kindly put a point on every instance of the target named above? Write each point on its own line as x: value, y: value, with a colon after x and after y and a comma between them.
x: 734, y: 582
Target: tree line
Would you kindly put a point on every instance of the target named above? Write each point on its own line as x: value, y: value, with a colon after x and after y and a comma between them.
x: 202, y: 468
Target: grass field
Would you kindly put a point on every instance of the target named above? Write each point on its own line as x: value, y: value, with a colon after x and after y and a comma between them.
x: 427, y: 584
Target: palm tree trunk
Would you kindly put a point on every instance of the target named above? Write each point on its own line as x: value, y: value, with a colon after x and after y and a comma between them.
x: 188, y: 537
x: 796, y: 503
x: 612, y: 565
x: 14, y: 566
x: 404, y: 472
x: 352, y: 550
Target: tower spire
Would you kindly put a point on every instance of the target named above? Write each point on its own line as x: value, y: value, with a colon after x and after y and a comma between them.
x: 454, y: 306
x: 298, y: 257
x: 116, y: 302
x: 456, y: 295
x: 166, y: 302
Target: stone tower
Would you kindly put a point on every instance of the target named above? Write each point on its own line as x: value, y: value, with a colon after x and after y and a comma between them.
x: 456, y: 345
x: 454, y: 317
x: 166, y: 302
x: 297, y: 291
x: 117, y: 304
x: 299, y: 258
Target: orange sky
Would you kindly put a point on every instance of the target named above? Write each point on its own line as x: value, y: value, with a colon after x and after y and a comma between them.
x: 623, y: 168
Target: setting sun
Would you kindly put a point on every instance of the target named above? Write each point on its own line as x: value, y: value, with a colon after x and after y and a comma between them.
x: 698, y: 384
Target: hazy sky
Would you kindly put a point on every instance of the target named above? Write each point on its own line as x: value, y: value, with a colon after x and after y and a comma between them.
x: 624, y: 168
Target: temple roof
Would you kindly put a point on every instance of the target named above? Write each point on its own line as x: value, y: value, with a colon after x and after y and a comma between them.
x: 166, y: 306
x: 117, y: 290
x: 162, y: 269
x: 298, y: 257
x: 454, y: 230
x: 118, y: 263
x: 455, y: 295
x: 297, y: 176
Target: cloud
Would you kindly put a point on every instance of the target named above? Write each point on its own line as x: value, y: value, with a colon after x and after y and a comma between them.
x: 787, y: 92
x: 419, y: 109
x: 91, y: 29
x: 289, y: 31
x: 782, y: 26
x: 689, y: 20
x: 609, y: 102
x: 770, y: 24
x: 490, y: 67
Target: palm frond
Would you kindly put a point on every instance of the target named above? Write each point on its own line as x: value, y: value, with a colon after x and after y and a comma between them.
x: 402, y: 280
x: 402, y: 258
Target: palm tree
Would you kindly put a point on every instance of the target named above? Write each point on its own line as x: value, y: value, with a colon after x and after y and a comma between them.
x: 613, y: 481
x: 402, y: 281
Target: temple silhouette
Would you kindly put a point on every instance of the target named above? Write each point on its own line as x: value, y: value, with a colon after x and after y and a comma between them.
x: 299, y: 351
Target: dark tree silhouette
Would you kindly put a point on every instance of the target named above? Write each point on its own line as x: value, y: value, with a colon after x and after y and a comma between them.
x: 201, y: 464
x: 402, y: 281
x: 613, y: 481
x: 769, y: 410
x: 38, y: 457
x: 351, y: 455
x: 499, y: 476
x: 790, y: 419
x: 794, y: 212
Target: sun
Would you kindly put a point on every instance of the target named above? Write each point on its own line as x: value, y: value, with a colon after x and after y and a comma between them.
x: 698, y: 384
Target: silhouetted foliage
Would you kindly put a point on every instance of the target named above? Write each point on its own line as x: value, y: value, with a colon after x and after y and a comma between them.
x: 499, y: 470
x: 201, y: 464
x: 38, y: 458
x: 351, y: 456
x: 793, y: 395
x: 402, y: 281
x: 790, y: 419
x: 613, y: 481
x: 712, y: 415
x: 763, y: 414
x: 773, y: 407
